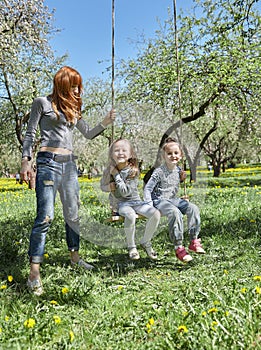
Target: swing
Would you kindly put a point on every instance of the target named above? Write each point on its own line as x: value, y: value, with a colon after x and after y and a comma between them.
x: 185, y: 195
x: 149, y: 173
x: 115, y: 217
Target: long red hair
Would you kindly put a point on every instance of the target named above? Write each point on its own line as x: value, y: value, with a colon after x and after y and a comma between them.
x: 64, y: 99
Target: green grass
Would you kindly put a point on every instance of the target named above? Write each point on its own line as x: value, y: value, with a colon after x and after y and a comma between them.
x: 211, y: 303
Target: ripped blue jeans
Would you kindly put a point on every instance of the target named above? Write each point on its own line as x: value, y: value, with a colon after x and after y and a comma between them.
x: 51, y: 177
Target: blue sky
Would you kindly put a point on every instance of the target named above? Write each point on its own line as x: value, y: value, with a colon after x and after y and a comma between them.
x: 86, y: 29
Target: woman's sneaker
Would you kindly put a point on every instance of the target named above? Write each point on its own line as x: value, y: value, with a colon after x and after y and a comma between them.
x: 182, y: 255
x: 83, y: 264
x: 195, y: 246
x: 35, y: 286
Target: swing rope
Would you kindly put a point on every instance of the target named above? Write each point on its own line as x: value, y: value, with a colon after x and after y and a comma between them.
x: 179, y: 88
x: 112, y: 65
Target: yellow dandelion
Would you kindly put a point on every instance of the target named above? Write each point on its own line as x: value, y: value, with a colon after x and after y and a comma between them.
x: 216, y: 302
x: 212, y: 310
x: 243, y: 290
x: 53, y: 302
x: 0, y: 330
x: 227, y: 313
x: 71, y: 336
x: 30, y: 323
x: 204, y: 313
x: 213, y: 325
x: 4, y: 286
x: 65, y: 290
x: 120, y: 287
x: 182, y: 329
x: 151, y: 321
x: 252, y: 221
x: 57, y: 319
x: 257, y: 278
x: 226, y: 272
x: 7, y: 318
x: 258, y: 290
x: 10, y: 278
x: 148, y: 325
x: 46, y: 255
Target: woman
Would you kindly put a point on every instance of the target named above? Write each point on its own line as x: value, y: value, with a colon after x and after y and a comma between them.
x: 57, y: 115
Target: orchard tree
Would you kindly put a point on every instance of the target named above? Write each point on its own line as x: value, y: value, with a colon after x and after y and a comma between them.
x: 27, y: 63
x: 218, y: 60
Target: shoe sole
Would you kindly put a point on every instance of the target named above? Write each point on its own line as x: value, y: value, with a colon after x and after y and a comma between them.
x: 191, y: 250
x: 134, y: 257
x: 152, y: 257
x: 186, y: 260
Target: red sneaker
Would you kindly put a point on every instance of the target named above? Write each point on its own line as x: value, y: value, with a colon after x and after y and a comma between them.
x: 196, y: 246
x: 182, y: 255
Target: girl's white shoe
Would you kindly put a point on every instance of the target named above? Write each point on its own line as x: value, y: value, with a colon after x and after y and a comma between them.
x: 150, y: 251
x: 133, y: 253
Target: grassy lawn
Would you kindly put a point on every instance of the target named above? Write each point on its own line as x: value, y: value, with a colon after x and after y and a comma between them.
x: 211, y: 303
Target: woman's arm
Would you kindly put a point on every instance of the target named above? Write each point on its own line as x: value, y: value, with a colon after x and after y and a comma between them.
x: 90, y: 134
x: 35, y: 116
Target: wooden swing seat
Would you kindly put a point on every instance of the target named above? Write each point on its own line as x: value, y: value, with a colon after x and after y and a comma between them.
x: 118, y: 218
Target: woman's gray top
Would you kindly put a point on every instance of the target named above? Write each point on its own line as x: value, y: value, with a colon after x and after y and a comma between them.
x: 55, y: 132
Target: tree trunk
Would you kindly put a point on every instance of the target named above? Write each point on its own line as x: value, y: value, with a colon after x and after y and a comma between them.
x: 216, y: 168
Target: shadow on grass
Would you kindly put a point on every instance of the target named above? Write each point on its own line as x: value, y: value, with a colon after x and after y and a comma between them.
x: 243, y: 228
x: 13, y: 249
x: 14, y: 242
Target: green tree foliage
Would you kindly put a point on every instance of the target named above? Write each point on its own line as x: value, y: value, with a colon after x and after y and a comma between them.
x: 219, y: 66
x: 26, y: 63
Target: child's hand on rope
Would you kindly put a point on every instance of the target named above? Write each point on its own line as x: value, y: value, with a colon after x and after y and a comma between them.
x: 114, y: 170
x: 112, y: 186
x: 110, y: 117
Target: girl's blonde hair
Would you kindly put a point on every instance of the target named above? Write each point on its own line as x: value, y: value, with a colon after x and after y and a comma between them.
x: 132, y: 161
x: 63, y: 98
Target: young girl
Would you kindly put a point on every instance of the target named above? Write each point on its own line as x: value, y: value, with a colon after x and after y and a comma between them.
x: 161, y: 191
x: 57, y: 115
x: 121, y: 179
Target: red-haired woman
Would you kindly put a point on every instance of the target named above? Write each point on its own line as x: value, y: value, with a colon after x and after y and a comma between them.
x: 57, y: 115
